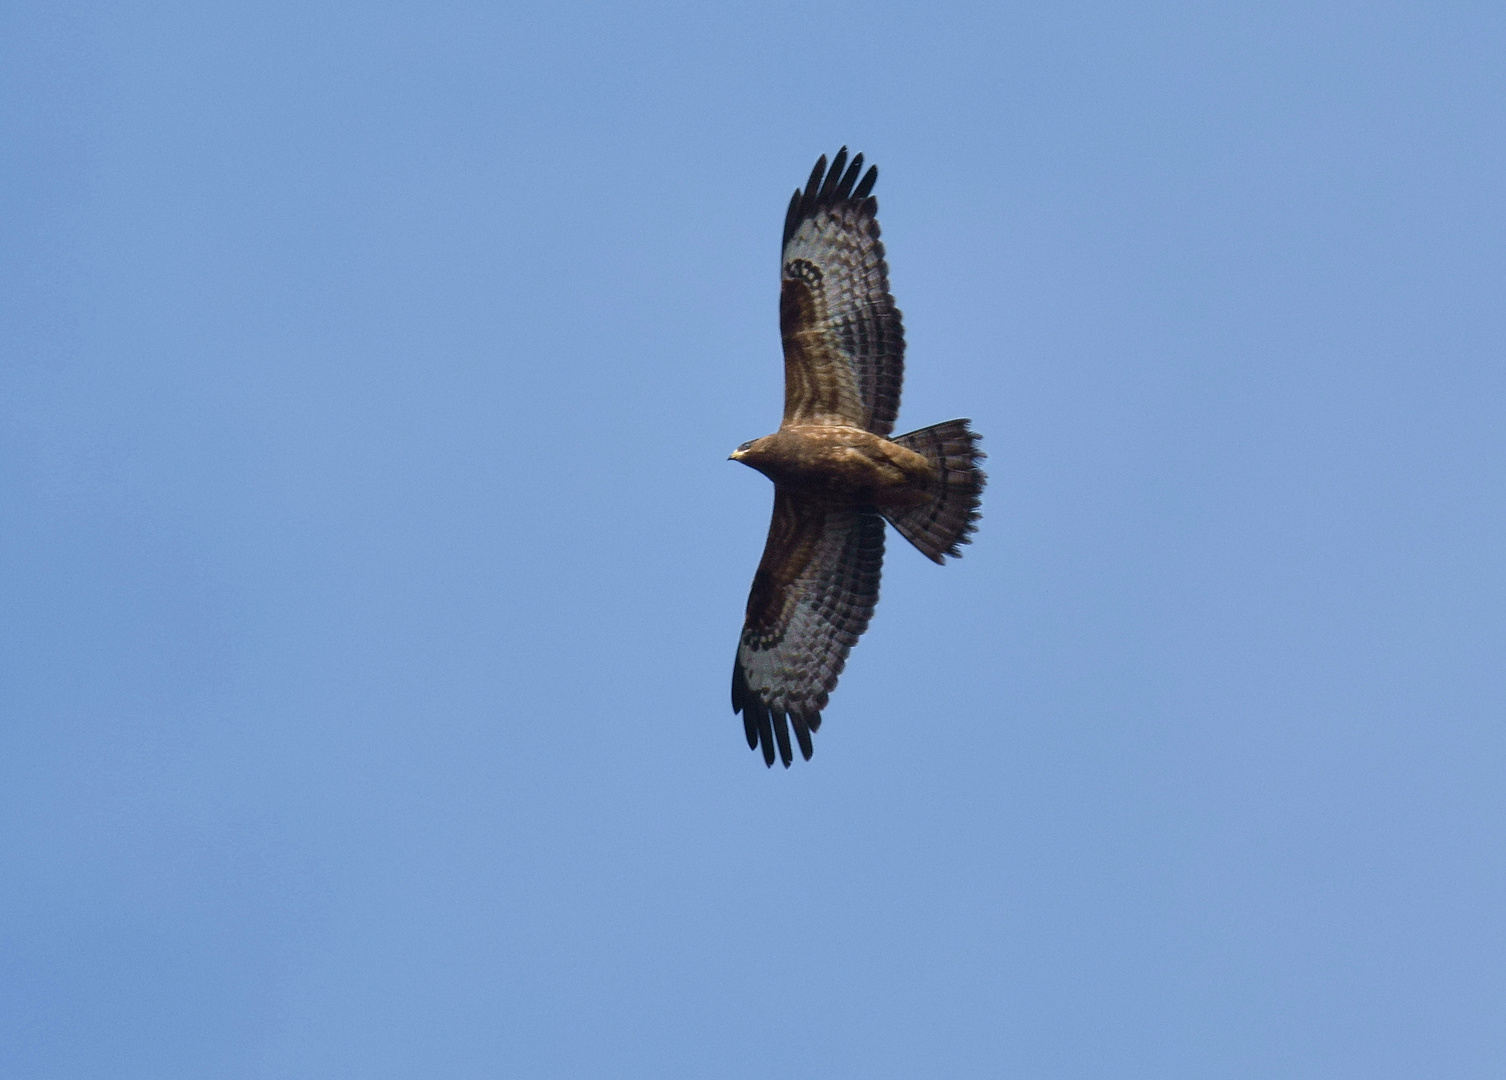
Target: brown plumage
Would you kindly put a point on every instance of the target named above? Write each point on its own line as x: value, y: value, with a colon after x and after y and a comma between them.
x: 837, y: 475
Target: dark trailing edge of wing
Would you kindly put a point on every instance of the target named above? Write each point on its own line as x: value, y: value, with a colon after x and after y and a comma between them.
x: 832, y: 188
x: 765, y: 727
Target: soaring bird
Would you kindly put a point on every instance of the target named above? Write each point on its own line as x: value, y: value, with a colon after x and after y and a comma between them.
x: 837, y: 474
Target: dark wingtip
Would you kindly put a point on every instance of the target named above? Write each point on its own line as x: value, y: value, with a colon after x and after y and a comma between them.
x: 782, y: 736
x: 865, y: 189
x: 814, y: 183
x: 849, y: 178
x: 802, y: 734
x: 768, y: 729
x: 833, y: 187
x: 833, y: 178
x: 792, y: 216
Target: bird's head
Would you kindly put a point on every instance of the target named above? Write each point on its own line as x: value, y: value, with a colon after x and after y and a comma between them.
x: 742, y: 452
x: 761, y: 454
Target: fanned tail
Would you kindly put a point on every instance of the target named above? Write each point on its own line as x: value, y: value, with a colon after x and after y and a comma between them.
x: 942, y: 525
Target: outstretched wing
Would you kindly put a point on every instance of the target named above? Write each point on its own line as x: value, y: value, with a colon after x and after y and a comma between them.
x: 811, y: 599
x: 844, y: 346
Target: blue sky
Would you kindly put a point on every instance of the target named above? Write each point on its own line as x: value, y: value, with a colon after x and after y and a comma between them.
x: 372, y: 566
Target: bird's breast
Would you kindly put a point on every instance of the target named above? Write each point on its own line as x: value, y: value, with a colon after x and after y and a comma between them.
x: 845, y: 461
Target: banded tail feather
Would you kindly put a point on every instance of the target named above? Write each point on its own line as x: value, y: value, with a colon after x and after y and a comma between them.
x: 942, y: 525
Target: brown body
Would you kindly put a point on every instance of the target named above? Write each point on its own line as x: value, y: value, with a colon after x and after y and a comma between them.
x: 847, y: 463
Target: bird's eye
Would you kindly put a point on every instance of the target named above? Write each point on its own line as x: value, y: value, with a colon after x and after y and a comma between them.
x: 744, y: 446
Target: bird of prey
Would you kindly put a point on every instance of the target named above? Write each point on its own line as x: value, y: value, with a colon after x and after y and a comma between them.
x: 837, y: 474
